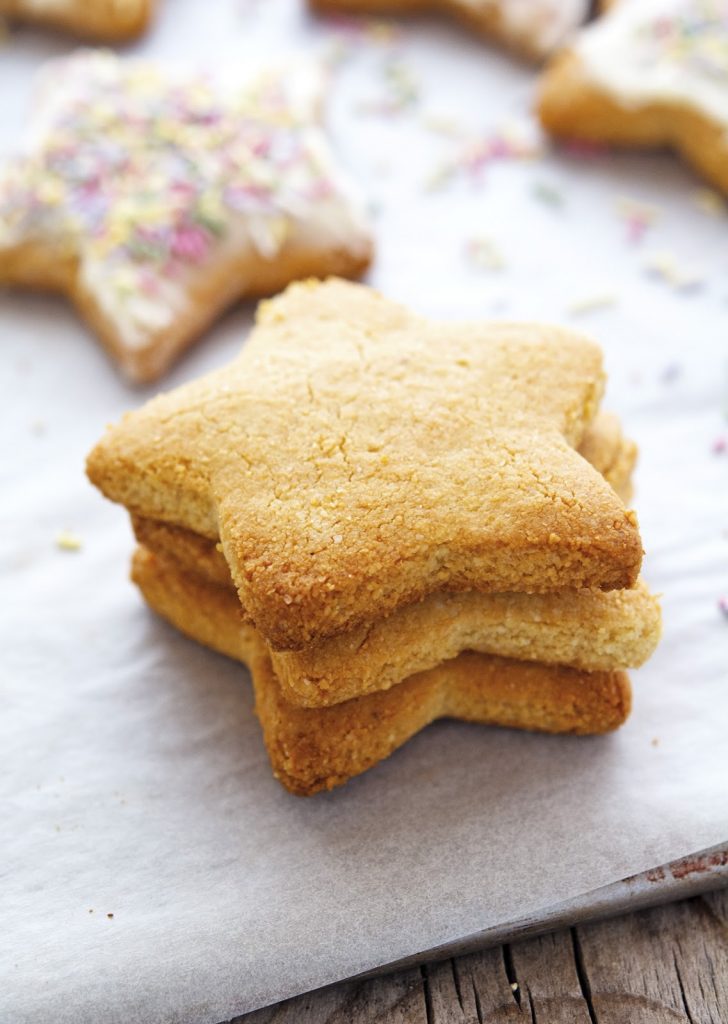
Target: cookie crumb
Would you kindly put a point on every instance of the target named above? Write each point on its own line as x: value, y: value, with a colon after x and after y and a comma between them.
x: 655, y: 742
x: 109, y: 916
x: 68, y: 541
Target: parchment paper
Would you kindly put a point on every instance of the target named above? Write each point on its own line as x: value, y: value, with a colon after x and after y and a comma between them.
x: 134, y: 779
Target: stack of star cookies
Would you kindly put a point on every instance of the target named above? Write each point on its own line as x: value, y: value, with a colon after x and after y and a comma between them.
x: 392, y: 520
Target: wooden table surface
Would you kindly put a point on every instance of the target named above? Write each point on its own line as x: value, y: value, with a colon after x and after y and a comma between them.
x: 668, y: 965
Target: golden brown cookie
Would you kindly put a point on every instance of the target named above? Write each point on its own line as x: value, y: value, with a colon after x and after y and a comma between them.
x: 155, y: 197
x: 356, y: 458
x: 649, y: 73
x: 533, y: 28
x: 317, y: 749
x: 110, y: 21
x: 590, y: 630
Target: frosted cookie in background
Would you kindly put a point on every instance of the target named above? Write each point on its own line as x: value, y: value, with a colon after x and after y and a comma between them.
x: 533, y: 28
x: 649, y: 73
x: 154, y: 197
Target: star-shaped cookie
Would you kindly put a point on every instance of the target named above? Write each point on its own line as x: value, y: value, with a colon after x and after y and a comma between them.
x: 154, y: 198
x: 533, y: 28
x: 355, y: 458
x: 648, y: 73
x: 99, y: 20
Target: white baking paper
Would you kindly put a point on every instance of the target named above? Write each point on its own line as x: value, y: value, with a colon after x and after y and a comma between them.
x: 134, y: 779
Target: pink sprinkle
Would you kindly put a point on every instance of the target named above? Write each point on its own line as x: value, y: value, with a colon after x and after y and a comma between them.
x: 720, y: 446
x: 723, y: 606
x: 636, y: 228
x: 190, y: 244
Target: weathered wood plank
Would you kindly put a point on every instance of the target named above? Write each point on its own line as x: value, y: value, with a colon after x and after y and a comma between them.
x: 668, y: 965
x: 398, y: 999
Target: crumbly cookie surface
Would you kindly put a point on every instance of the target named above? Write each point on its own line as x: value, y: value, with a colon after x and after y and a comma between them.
x: 648, y: 73
x: 355, y: 458
x: 98, y: 20
x: 589, y: 630
x: 314, y: 749
x: 154, y: 197
x: 534, y: 28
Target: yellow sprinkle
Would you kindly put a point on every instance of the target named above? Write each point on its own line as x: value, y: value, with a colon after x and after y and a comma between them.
x: 666, y: 266
x: 592, y: 302
x: 67, y: 541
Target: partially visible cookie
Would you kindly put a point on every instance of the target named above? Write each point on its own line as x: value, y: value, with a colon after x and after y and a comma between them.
x: 313, y: 749
x: 648, y: 73
x: 356, y: 458
x: 155, y: 197
x: 533, y: 28
x: 107, y: 21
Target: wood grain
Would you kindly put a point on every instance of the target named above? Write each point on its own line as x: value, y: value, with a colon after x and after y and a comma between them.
x: 668, y: 965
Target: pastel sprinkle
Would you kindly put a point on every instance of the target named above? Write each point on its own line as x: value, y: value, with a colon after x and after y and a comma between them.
x: 592, y: 303
x: 665, y: 266
x: 68, y: 541
x: 723, y: 606
x: 483, y: 253
x: 719, y: 446
x: 476, y: 155
x: 401, y: 91
x: 548, y: 194
x: 637, y: 216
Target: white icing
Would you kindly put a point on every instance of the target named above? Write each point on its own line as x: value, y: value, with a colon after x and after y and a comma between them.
x: 662, y: 51
x: 542, y: 25
x: 333, y: 220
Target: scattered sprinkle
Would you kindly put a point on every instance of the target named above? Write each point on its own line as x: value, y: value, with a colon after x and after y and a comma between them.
x: 475, y: 155
x: 483, y: 253
x: 637, y: 216
x: 723, y: 606
x: 671, y: 373
x: 710, y: 202
x: 592, y: 303
x: 67, y: 541
x: 719, y: 446
x: 514, y: 986
x: 443, y: 124
x: 664, y: 265
x: 548, y: 194
x: 401, y: 91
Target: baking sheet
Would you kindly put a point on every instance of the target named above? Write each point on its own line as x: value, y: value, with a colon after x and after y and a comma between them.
x: 134, y: 780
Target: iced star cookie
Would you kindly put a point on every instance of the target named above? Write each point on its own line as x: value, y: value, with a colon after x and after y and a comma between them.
x: 425, y: 456
x: 100, y: 20
x: 314, y: 749
x: 534, y: 28
x: 648, y: 73
x: 155, y: 197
